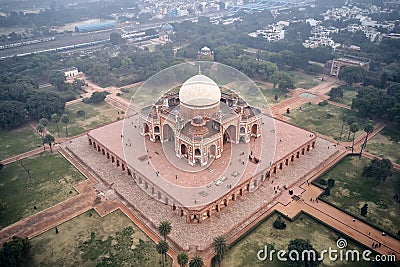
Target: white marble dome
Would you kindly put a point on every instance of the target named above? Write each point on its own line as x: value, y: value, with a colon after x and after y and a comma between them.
x: 199, y: 91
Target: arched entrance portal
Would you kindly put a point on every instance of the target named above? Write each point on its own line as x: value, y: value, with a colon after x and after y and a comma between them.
x: 167, y: 133
x: 230, y: 134
x: 212, y: 152
x: 197, y: 152
x: 184, y: 150
x: 146, y: 128
x: 254, y: 130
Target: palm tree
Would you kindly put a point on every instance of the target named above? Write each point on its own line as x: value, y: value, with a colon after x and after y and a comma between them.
x: 350, y: 121
x: 183, y: 259
x: 368, y: 129
x: 56, y: 119
x: 40, y: 129
x: 162, y: 248
x: 65, y: 120
x: 164, y: 228
x: 341, y: 130
x: 220, y: 247
x: 353, y: 129
x: 196, y: 262
x: 49, y: 139
x: 44, y: 122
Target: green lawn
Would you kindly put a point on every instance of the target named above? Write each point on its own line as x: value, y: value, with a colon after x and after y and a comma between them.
x: 386, y: 144
x: 351, y: 191
x: 17, y: 141
x: 348, y: 96
x: 95, y: 115
x: 127, y: 93
x: 304, y: 80
x: 52, y: 181
x: 244, y: 253
x: 326, y: 120
x: 112, y: 235
x: 270, y: 92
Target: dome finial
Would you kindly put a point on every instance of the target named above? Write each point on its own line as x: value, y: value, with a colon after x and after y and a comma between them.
x: 199, y: 70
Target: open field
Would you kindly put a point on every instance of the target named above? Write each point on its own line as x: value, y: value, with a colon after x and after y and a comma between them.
x: 17, y: 141
x: 303, y: 80
x: 127, y: 93
x: 244, y: 253
x: 352, y: 191
x: 326, y: 120
x: 270, y: 92
x: 95, y: 115
x: 67, y: 247
x: 386, y: 144
x: 52, y: 181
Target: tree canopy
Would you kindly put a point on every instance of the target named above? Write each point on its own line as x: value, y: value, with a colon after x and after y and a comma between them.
x: 14, y: 252
x: 378, y: 169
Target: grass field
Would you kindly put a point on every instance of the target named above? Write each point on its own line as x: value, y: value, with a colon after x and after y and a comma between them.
x: 326, y: 120
x: 52, y: 181
x: 17, y: 141
x: 270, y: 92
x: 244, y: 253
x: 386, y: 144
x: 348, y: 96
x: 65, y: 248
x: 304, y: 80
x: 95, y: 115
x: 129, y: 92
x: 351, y: 191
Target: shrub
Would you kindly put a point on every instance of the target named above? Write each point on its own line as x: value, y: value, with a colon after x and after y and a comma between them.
x: 80, y: 113
x: 86, y: 100
x: 331, y: 182
x: 323, y: 103
x: 279, y: 223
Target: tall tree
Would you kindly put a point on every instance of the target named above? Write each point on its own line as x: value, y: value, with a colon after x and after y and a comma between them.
x: 351, y: 74
x: 368, y: 129
x: 378, y: 169
x: 183, y: 259
x: 196, y: 261
x: 3, y: 208
x: 344, y: 119
x: 49, y: 139
x: 40, y: 129
x: 44, y: 122
x: 57, y: 79
x: 56, y: 119
x: 65, y: 120
x: 353, y: 129
x: 15, y: 252
x: 164, y: 228
x: 350, y: 122
x: 220, y: 247
x: 162, y: 248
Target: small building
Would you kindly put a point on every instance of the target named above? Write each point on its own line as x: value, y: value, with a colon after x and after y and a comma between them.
x: 166, y: 32
x: 95, y: 27
x: 205, y: 54
x: 338, y: 63
x: 70, y: 72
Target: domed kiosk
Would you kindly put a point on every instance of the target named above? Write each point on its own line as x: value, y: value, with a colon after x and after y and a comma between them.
x: 200, y: 120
